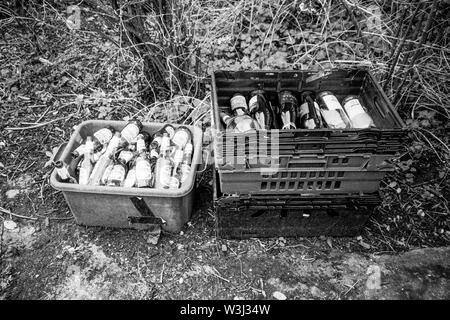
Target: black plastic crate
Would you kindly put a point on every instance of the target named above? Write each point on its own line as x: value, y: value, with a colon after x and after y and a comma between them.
x: 387, y: 138
x: 246, y: 216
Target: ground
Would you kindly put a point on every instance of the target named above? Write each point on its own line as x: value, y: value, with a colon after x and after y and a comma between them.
x: 66, y: 261
x: 53, y: 78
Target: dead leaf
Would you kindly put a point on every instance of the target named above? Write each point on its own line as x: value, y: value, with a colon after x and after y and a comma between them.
x: 279, y: 296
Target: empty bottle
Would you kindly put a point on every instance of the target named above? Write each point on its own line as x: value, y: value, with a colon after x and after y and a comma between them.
x: 260, y: 109
x: 105, y: 160
x: 181, y: 137
x: 288, y: 110
x: 102, y: 137
x: 186, y: 164
x: 130, y: 180
x: 332, y: 111
x: 86, y: 165
x: 117, y: 174
x: 358, y: 115
x: 143, y: 172
x: 309, y: 112
x: 63, y: 172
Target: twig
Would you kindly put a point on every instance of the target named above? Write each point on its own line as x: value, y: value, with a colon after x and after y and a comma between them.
x: 38, y: 125
x: 353, y: 286
x: 16, y: 215
x: 162, y: 272
x: 355, y: 23
x: 399, y: 49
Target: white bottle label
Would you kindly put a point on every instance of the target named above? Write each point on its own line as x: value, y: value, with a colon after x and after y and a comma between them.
x: 103, y: 135
x: 130, y: 132
x: 113, y: 144
x: 165, y: 172
x: 331, y: 102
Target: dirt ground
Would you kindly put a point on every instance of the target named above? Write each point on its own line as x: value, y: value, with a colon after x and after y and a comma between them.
x: 62, y: 260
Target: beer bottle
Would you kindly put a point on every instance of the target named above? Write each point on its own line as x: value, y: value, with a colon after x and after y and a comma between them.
x: 186, y: 164
x: 102, y: 137
x: 86, y: 165
x: 288, y: 110
x: 143, y: 171
x: 105, y: 176
x: 105, y: 159
x: 130, y: 132
x: 117, y: 174
x: 63, y: 172
x: 174, y: 182
x: 332, y: 111
x: 169, y: 129
x: 164, y: 148
x: 181, y: 137
x: 130, y: 180
x: 260, y: 109
x: 358, y: 115
x: 156, y: 141
x: 141, y: 143
x: 309, y: 112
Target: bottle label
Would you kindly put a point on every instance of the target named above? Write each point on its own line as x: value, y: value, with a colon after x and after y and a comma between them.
x: 358, y: 116
x: 140, y: 145
x: 178, y: 156
x: 165, y: 171
x: 103, y: 135
x: 130, y: 180
x: 113, y: 144
x: 84, y: 176
x: 117, y: 173
x: 180, y: 138
x: 130, y: 132
x: 170, y: 131
x: 165, y: 145
x: 331, y: 102
x: 185, y: 170
x: 238, y: 102
x: 174, y: 183
x: 126, y: 155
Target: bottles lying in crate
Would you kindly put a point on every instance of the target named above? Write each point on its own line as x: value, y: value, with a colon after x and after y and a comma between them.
x: 132, y: 158
x: 310, y: 111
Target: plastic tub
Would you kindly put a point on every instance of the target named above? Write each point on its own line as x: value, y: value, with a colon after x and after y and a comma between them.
x: 128, y: 207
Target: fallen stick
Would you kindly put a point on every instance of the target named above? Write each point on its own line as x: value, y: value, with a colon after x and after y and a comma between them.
x: 16, y: 215
x: 36, y: 126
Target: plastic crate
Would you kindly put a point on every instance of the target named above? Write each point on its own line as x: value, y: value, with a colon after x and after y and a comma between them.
x: 128, y: 207
x: 386, y: 138
x: 305, y: 181
x: 245, y: 216
x: 295, y: 161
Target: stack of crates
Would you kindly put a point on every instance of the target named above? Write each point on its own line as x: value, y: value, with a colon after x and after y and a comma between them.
x: 301, y: 182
